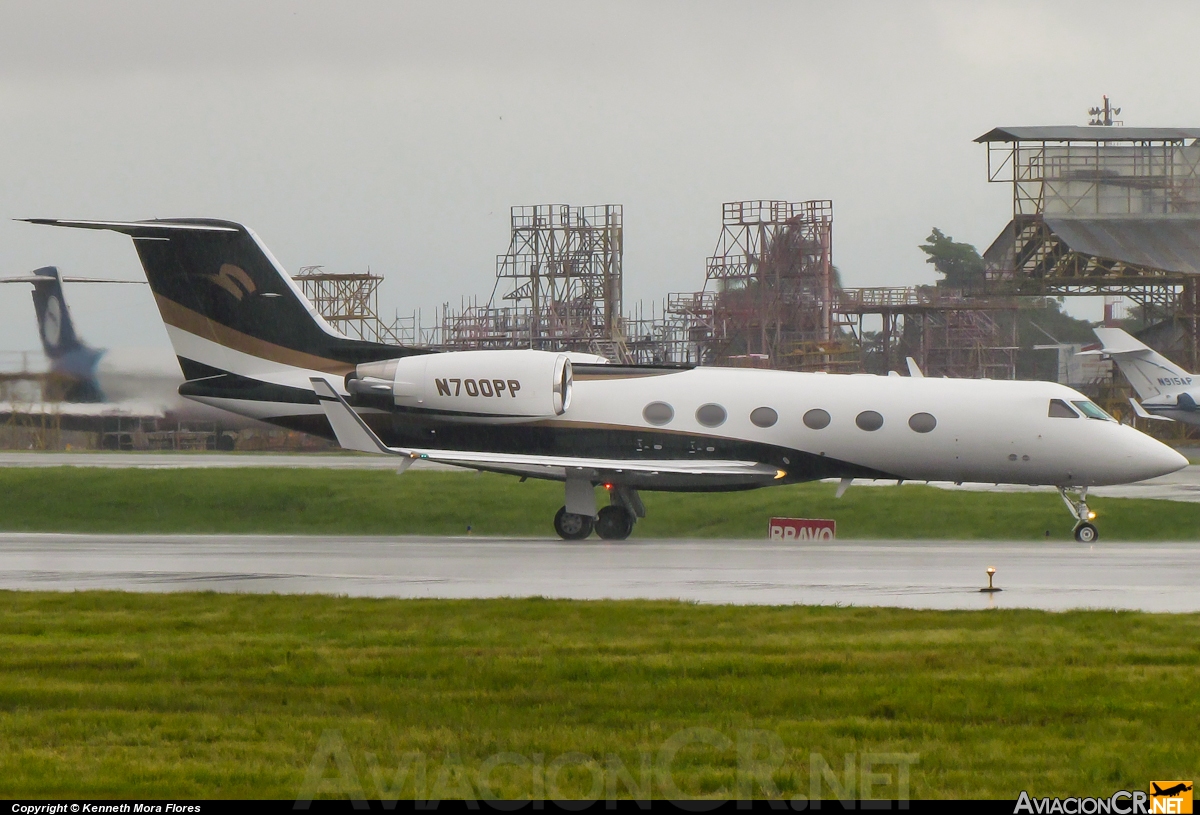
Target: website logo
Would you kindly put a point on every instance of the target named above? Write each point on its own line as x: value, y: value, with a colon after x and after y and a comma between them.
x: 1170, y: 797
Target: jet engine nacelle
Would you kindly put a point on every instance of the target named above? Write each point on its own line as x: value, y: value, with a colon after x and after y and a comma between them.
x: 1188, y: 400
x: 525, y: 384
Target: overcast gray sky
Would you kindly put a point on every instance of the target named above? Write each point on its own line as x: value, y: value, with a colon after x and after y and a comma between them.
x: 396, y: 135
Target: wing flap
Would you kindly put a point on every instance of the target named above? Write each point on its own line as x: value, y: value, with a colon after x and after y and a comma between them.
x: 354, y: 434
x: 600, y: 466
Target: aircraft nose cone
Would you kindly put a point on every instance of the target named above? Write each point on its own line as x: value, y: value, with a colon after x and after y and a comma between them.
x: 1159, y: 459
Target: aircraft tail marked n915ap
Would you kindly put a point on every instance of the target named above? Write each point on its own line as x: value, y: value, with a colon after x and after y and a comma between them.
x: 1167, y: 391
x: 248, y: 341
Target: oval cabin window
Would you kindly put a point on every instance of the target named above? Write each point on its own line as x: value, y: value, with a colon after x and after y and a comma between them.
x: 711, y: 415
x: 869, y: 420
x: 763, y: 417
x: 817, y: 419
x: 658, y: 413
x: 922, y: 422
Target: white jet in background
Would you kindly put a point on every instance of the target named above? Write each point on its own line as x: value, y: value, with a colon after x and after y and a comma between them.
x: 1166, y: 390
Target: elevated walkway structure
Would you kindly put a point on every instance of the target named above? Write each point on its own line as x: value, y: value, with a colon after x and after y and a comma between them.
x: 1102, y: 211
x: 946, y: 331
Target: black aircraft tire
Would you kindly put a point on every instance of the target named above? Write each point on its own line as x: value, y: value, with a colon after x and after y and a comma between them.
x: 1086, y: 533
x: 572, y: 527
x: 614, y: 523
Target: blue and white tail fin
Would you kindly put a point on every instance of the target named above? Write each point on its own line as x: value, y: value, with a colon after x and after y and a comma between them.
x: 55, y: 326
x: 1153, y: 376
x: 72, y: 362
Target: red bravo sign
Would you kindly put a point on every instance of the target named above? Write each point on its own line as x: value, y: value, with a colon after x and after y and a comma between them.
x: 802, y: 529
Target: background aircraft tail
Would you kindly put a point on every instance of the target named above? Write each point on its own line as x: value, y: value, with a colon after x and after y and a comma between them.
x: 230, y: 309
x: 72, y: 362
x: 55, y: 326
x: 1149, y: 372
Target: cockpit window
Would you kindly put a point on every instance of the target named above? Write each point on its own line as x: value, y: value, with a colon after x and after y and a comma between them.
x: 1061, y: 410
x: 1093, y: 411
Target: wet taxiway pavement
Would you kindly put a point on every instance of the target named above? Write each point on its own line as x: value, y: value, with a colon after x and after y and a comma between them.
x: 937, y: 575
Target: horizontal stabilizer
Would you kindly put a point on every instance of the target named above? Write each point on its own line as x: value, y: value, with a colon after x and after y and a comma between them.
x: 39, y: 279
x: 1118, y: 341
x: 1145, y: 414
x: 135, y: 227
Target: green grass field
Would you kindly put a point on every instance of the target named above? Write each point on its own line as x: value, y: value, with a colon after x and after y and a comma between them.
x: 71, y: 499
x: 180, y: 695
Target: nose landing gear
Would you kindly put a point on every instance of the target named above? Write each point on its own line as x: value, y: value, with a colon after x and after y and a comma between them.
x: 1085, y: 530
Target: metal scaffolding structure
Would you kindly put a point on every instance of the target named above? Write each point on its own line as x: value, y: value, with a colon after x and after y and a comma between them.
x: 348, y: 302
x: 563, y: 272
x: 1096, y: 211
x: 1103, y: 211
x: 771, y: 299
x: 772, y: 279
x: 768, y: 297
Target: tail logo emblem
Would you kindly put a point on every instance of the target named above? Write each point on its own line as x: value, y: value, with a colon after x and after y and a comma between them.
x: 234, y: 280
x: 52, y: 322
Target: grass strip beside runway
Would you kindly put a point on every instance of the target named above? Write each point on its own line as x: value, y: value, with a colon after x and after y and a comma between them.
x: 104, y: 694
x: 80, y: 499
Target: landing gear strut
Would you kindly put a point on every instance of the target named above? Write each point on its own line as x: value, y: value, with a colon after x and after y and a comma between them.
x: 1085, y: 530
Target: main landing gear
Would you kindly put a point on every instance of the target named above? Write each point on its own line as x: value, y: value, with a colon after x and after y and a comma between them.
x: 1085, y: 530
x: 614, y: 523
x: 576, y: 520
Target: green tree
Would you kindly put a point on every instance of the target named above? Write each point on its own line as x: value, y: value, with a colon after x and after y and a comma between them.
x: 959, y: 262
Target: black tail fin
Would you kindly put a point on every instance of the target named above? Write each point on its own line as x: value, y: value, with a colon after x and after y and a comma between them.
x: 219, y: 290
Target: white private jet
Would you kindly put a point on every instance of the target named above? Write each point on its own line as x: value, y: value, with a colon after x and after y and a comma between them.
x: 248, y: 341
x: 1166, y: 391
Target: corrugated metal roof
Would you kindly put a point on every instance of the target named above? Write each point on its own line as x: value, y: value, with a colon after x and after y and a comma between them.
x: 1084, y: 133
x: 1170, y: 244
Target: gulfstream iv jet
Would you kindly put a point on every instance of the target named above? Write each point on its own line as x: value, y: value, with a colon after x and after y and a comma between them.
x: 248, y: 341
